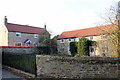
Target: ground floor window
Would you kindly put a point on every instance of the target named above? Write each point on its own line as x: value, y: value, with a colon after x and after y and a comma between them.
x: 105, y: 50
x: 35, y: 44
x: 18, y: 43
x: 62, y: 49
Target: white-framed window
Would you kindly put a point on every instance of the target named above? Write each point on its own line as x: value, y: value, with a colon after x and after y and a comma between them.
x: 18, y: 44
x: 61, y: 40
x: 18, y: 34
x: 103, y: 37
x: 35, y: 35
x: 35, y: 44
x: 27, y: 44
x: 105, y: 50
x: 74, y: 39
x: 91, y: 38
x: 62, y: 49
x: 78, y: 39
x: 69, y: 39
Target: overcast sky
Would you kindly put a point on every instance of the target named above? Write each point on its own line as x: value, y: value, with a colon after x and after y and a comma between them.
x: 59, y: 15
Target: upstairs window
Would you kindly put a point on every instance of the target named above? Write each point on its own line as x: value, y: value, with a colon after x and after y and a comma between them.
x: 18, y: 34
x: 103, y: 37
x: 69, y: 40
x: 91, y: 38
x: 62, y: 41
x: 35, y: 35
x: 18, y: 43
x: 78, y: 39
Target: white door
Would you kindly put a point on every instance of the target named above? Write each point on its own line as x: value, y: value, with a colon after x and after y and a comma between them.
x: 92, y: 51
x: 69, y: 53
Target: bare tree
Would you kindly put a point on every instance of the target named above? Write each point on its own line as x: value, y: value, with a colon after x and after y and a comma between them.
x: 110, y: 47
x: 45, y: 41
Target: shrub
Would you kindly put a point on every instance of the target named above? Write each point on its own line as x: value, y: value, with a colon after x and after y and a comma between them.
x: 73, y: 48
x: 63, y: 54
x: 83, y: 46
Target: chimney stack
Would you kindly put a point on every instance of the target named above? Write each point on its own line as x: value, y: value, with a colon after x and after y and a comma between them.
x: 45, y: 26
x: 116, y: 20
x: 5, y: 20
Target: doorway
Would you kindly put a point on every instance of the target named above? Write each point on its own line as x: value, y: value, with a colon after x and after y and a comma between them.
x: 91, y: 51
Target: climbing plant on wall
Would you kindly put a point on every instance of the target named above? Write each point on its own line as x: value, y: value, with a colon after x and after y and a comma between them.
x: 83, y: 46
x: 73, y: 48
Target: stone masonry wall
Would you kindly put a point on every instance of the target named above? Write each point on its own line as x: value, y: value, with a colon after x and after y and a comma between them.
x: 73, y: 67
x: 24, y: 36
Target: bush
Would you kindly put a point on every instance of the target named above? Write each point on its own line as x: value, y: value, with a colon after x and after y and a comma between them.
x: 63, y: 54
x: 83, y: 46
x: 73, y: 48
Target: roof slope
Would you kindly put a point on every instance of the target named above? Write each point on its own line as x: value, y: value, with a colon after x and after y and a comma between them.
x: 88, y: 31
x: 23, y: 28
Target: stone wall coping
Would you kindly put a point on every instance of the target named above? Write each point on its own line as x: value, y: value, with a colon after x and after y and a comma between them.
x: 81, y: 58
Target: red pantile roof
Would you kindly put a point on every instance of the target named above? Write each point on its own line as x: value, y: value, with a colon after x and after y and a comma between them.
x: 23, y: 28
x: 88, y: 31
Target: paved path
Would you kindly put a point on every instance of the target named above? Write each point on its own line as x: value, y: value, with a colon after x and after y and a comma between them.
x: 6, y: 75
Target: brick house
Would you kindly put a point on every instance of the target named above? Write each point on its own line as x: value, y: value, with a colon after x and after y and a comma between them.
x: 20, y: 35
x: 93, y: 33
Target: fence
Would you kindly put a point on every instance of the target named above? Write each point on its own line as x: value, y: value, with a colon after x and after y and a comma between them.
x: 24, y: 62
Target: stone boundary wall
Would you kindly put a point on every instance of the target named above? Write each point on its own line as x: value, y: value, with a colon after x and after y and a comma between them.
x: 77, y: 67
x: 17, y: 49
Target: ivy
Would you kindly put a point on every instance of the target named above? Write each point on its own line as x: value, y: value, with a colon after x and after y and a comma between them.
x: 81, y: 47
x: 73, y: 48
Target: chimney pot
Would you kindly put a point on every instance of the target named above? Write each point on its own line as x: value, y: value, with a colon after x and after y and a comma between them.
x: 5, y: 20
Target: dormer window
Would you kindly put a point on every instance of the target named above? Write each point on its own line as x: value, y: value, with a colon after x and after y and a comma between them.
x: 35, y: 35
x: 18, y: 34
x: 69, y: 39
x: 62, y: 41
